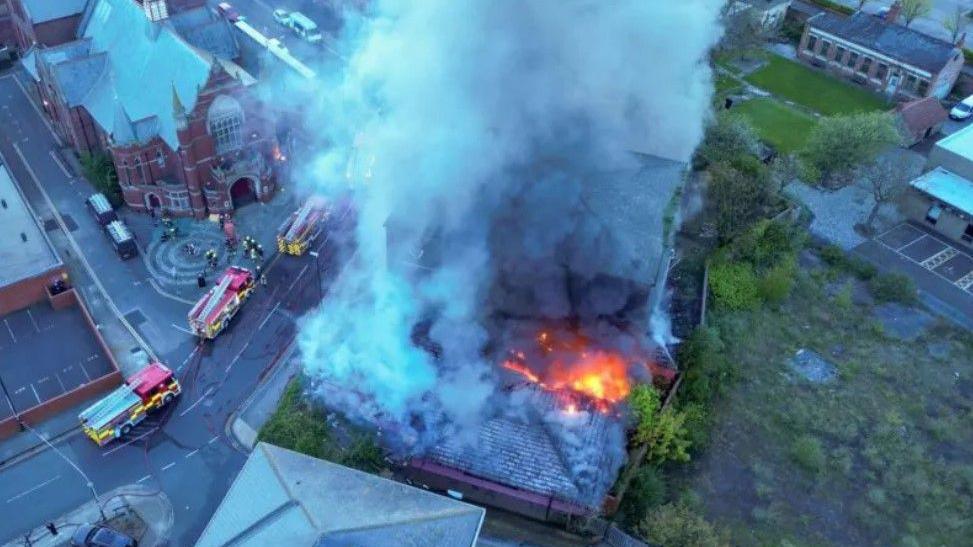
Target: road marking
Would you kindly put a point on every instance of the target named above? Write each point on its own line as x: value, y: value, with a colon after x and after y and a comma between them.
x: 44, y: 379
x: 126, y: 443
x: 60, y: 382
x: 213, y: 440
x: 38, y: 397
x: 32, y: 320
x: 193, y: 452
x: 34, y: 489
x: 297, y: 277
x: 238, y: 355
x: 268, y: 316
x: 61, y: 165
x: 84, y: 370
x: 145, y: 478
x: 188, y: 357
x: 167, y: 466
x: 10, y: 330
x: 192, y: 406
x: 922, y: 263
x: 180, y: 329
x: 40, y: 114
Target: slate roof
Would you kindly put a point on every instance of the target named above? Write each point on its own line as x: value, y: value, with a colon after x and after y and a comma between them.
x: 281, y: 497
x: 199, y: 28
x: 22, y: 256
x: 920, y: 114
x: 42, y: 11
x: 948, y: 188
x: 903, y: 44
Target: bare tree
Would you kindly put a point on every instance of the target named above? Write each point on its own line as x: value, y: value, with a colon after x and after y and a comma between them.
x: 913, y: 9
x: 886, y: 178
x: 955, y: 22
x: 861, y: 4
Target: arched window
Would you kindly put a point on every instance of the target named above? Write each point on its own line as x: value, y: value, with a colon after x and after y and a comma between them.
x: 224, y: 121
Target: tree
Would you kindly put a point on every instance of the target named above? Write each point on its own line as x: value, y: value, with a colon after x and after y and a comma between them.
x: 838, y: 145
x: 727, y: 137
x: 676, y: 525
x: 99, y: 169
x: 886, y: 178
x: 861, y: 4
x: 913, y: 9
x: 954, y: 23
x: 663, y: 431
x: 738, y: 192
x: 744, y: 30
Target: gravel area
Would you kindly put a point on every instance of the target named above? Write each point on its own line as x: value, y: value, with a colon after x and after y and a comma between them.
x: 837, y: 212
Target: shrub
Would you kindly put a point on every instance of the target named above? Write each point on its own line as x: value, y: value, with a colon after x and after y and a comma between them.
x: 777, y: 283
x: 676, y: 525
x: 807, y: 452
x: 835, y: 257
x: 705, y: 367
x: 893, y: 288
x: 647, y: 491
x: 734, y: 286
x: 100, y: 171
x: 728, y: 137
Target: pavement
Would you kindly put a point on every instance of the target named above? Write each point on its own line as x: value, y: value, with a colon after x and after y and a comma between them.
x: 182, y: 450
x: 144, y: 513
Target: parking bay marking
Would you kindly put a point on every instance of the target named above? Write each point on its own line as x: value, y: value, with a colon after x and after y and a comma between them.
x: 34, y: 489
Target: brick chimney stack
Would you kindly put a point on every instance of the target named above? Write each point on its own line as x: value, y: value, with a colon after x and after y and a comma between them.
x: 894, y: 11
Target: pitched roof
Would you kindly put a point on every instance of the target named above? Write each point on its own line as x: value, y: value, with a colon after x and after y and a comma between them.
x: 903, y: 44
x: 42, y: 11
x: 920, y: 114
x: 200, y: 29
x: 281, y: 497
x: 947, y: 187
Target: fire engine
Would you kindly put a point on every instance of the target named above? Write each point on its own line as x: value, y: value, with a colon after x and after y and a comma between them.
x: 301, y: 228
x: 214, y: 309
x: 115, y: 415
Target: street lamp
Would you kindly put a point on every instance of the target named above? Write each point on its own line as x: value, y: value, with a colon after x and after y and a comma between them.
x: 317, y: 267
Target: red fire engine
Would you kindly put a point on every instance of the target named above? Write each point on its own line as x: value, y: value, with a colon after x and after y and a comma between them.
x: 117, y: 413
x: 301, y: 228
x: 214, y: 309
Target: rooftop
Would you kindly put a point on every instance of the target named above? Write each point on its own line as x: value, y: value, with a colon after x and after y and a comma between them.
x: 42, y: 11
x: 948, y: 188
x: 25, y: 250
x: 903, y: 44
x: 959, y: 143
x: 281, y: 497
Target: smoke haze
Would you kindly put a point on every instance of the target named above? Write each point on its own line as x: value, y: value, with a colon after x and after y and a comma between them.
x: 472, y: 135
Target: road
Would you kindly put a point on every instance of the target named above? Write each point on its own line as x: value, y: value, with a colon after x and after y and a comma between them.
x: 259, y: 13
x: 183, y: 450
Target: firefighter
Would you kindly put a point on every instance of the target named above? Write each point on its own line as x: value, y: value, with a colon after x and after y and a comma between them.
x: 212, y: 257
x: 260, y: 251
x: 263, y: 280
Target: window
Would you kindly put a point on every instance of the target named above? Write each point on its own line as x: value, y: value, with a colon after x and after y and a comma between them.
x: 179, y: 202
x: 968, y: 233
x: 910, y: 82
x: 225, y: 124
x: 825, y: 48
x: 923, y: 87
x: 932, y: 216
x: 160, y: 158
x: 883, y: 69
x: 840, y: 54
x: 852, y: 59
x: 866, y: 64
x: 812, y: 41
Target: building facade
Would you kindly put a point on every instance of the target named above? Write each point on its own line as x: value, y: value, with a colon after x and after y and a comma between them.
x: 877, y: 53
x: 942, y: 201
x: 44, y: 22
x: 190, y: 141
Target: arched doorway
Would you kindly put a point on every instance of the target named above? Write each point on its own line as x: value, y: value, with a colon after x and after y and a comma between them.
x: 152, y: 201
x: 242, y: 192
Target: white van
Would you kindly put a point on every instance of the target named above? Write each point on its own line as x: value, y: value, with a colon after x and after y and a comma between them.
x: 304, y: 27
x: 963, y: 109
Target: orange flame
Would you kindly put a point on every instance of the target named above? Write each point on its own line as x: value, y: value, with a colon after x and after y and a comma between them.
x: 522, y: 370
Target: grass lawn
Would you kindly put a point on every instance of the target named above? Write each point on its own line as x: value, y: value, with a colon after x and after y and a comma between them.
x: 812, y: 89
x: 880, y: 454
x: 726, y: 84
x: 779, y: 125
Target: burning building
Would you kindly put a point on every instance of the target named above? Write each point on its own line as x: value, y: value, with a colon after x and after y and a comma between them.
x: 509, y: 238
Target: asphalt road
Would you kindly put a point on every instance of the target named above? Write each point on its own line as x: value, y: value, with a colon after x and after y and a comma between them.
x: 259, y: 13
x: 183, y: 450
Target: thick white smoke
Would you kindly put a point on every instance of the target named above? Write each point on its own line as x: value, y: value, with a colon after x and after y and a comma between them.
x: 469, y: 130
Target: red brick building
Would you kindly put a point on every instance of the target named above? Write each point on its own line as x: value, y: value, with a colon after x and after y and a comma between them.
x: 45, y: 22
x: 167, y: 100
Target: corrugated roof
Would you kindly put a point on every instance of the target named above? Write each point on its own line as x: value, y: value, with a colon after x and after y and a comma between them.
x: 24, y: 248
x: 901, y: 43
x: 947, y: 187
x: 281, y: 497
x: 42, y: 11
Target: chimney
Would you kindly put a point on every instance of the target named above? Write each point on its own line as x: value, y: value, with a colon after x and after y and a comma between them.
x: 961, y: 41
x: 893, y: 14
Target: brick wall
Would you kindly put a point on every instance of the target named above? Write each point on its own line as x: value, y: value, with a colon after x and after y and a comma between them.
x: 24, y: 293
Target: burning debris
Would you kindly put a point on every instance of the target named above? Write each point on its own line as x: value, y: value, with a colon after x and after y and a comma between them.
x: 503, y: 192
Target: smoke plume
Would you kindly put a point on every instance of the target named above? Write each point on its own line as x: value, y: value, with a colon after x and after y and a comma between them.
x: 471, y: 134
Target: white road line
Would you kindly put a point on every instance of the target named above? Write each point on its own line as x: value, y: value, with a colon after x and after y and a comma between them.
x: 167, y: 466
x: 32, y: 320
x: 238, y: 355
x: 38, y: 397
x: 145, y: 478
x: 34, y: 489
x: 44, y: 379
x: 10, y: 330
x: 188, y: 357
x: 213, y: 440
x: 191, y: 453
x: 59, y: 164
x: 180, y: 329
x: 85, y: 371
x: 60, y: 382
x: 268, y: 316
x: 126, y: 443
x: 192, y: 406
x: 297, y: 277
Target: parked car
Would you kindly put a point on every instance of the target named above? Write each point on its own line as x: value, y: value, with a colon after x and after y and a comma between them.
x: 91, y: 535
x: 227, y: 10
x: 963, y: 109
x: 282, y: 17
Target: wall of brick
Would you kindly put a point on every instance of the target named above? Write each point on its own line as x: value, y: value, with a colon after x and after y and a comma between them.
x: 24, y: 293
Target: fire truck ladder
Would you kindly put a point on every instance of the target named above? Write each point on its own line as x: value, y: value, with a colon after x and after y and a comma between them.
x: 299, y: 222
x: 110, y: 407
x: 215, y: 298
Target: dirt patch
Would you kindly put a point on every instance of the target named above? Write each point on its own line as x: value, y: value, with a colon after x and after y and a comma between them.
x: 901, y: 322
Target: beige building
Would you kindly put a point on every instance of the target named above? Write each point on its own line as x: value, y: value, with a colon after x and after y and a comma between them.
x: 942, y: 201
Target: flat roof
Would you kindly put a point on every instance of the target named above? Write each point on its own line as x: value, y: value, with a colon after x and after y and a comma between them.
x: 959, y: 143
x: 25, y: 251
x: 948, y: 188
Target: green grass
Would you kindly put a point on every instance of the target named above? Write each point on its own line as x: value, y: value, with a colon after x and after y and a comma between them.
x: 781, y: 126
x: 726, y: 85
x: 813, y: 89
